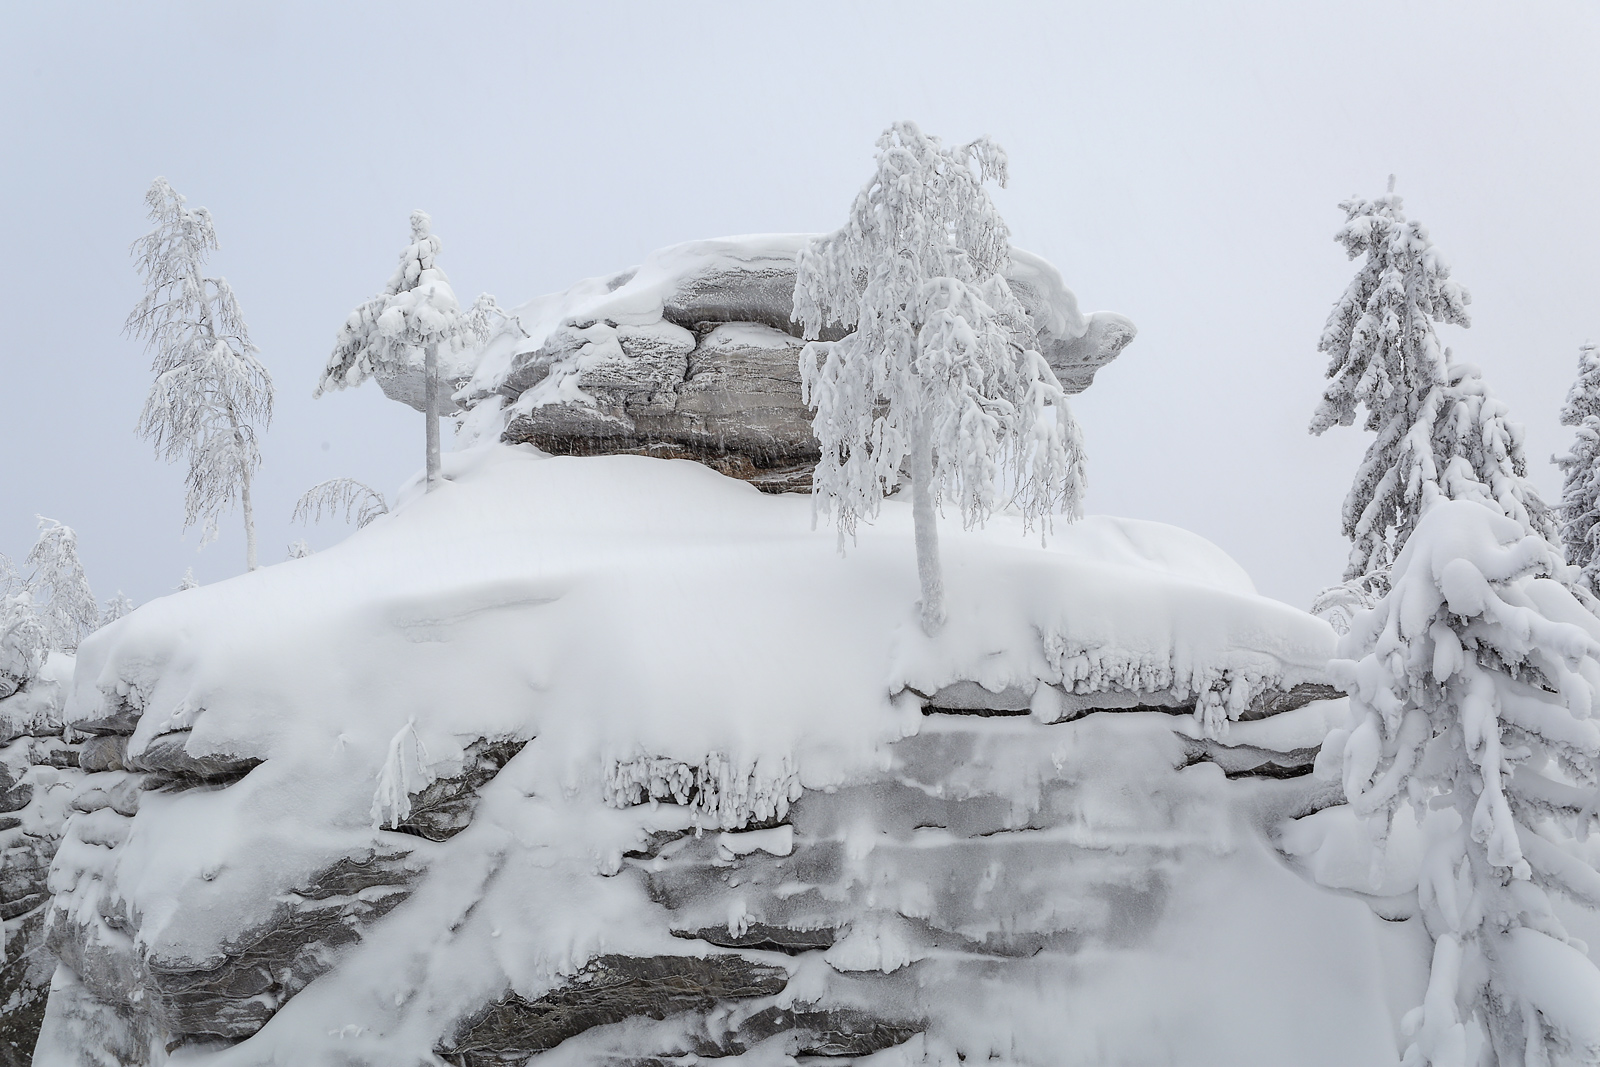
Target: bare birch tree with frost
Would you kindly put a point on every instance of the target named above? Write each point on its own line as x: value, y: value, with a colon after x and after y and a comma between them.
x: 417, y: 313
x: 210, y: 392
x: 939, y: 370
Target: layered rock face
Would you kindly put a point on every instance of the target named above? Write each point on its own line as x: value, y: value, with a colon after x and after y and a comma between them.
x: 39, y: 785
x: 694, y: 355
x: 642, y: 770
x: 993, y: 861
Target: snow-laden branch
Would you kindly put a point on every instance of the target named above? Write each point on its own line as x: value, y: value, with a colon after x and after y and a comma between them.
x: 346, y: 497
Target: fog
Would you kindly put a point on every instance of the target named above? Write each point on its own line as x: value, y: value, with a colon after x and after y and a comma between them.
x: 1181, y: 164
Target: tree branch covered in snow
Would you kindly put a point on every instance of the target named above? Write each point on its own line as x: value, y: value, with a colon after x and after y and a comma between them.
x: 355, y: 500
x: 1473, y: 689
x: 939, y: 368
x: 210, y: 391
x: 1440, y: 434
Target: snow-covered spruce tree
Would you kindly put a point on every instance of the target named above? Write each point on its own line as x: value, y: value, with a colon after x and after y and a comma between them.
x: 354, y: 500
x: 210, y: 392
x: 417, y: 312
x: 938, y: 370
x: 1473, y: 688
x: 1580, y: 469
x: 1439, y: 432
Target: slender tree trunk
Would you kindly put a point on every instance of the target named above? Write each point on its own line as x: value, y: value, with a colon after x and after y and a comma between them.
x: 244, y: 497
x: 249, y: 524
x: 431, y: 404
x: 925, y: 520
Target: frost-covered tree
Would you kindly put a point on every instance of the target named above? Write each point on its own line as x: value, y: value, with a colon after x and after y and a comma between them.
x: 340, y: 496
x: 299, y: 549
x: 478, y: 322
x: 1473, y: 688
x: 23, y: 640
x: 52, y: 608
x: 417, y: 312
x: 59, y: 590
x: 116, y: 608
x: 211, y: 393
x: 1440, y: 434
x: 1580, y: 469
x: 188, y: 581
x: 938, y: 371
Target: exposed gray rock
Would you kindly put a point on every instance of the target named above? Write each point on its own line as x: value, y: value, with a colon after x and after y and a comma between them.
x: 104, y: 752
x: 232, y: 996
x: 167, y: 754
x: 39, y: 781
x: 445, y: 807
x: 970, y: 698
x: 694, y: 355
x: 609, y: 990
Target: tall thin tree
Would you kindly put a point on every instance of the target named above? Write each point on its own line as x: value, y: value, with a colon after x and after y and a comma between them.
x: 938, y: 370
x: 211, y: 392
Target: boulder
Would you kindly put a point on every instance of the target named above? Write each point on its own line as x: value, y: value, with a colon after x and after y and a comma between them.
x: 694, y: 355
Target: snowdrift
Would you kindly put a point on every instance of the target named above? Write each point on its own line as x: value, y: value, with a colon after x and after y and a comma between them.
x: 615, y: 758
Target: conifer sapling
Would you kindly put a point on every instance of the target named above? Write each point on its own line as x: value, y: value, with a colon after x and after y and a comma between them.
x: 417, y: 315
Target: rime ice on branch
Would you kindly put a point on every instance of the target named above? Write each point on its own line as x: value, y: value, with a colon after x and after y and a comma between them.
x: 357, y: 501
x: 1473, y: 688
x: 1440, y: 433
x: 210, y: 391
x: 940, y: 369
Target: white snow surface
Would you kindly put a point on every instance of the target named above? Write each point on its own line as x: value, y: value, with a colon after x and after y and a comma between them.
x: 619, y: 610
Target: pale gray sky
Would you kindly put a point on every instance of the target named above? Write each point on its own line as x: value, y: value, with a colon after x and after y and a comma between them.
x: 1181, y: 163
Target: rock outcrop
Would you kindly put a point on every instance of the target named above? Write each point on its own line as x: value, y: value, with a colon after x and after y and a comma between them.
x: 694, y: 355
x: 641, y: 769
x: 39, y: 781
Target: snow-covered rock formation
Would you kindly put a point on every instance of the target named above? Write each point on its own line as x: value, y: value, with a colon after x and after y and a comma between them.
x: 612, y: 759
x: 693, y: 354
x: 39, y: 782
